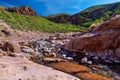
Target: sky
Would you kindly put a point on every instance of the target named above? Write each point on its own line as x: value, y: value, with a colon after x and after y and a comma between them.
x: 48, y: 7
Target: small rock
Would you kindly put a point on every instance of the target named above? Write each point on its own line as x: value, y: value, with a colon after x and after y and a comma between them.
x: 27, y: 49
x: 64, y: 56
x: 84, y: 60
x: 24, y: 68
x: 108, y: 61
x: 17, y: 55
x: 37, y: 53
x: 54, y: 54
x: 95, y: 57
x: 69, y: 58
x: 47, y: 50
x: 96, y: 69
x: 89, y: 62
x: 117, y: 61
x: 53, y: 60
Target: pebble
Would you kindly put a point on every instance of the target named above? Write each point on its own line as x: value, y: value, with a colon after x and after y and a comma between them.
x: 84, y: 60
x: 64, y: 56
x: 117, y: 61
x: 69, y: 58
x: 47, y: 50
x: 54, y: 54
x: 89, y: 62
x: 96, y: 57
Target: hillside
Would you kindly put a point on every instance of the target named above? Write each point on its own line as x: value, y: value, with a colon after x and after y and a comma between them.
x: 94, y: 14
x: 23, y: 22
x: 61, y: 18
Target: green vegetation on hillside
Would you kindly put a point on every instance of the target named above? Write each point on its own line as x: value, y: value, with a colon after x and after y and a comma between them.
x: 108, y: 7
x: 18, y: 21
x: 92, y: 15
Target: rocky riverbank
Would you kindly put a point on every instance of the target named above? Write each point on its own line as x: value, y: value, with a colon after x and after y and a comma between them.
x: 90, y: 55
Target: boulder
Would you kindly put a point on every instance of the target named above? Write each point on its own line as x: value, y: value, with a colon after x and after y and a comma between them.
x: 95, y: 42
x: 105, y: 36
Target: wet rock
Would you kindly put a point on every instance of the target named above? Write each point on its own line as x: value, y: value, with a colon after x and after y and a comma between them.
x: 116, y: 61
x: 92, y: 76
x: 44, y: 47
x: 89, y: 62
x: 103, y: 56
x: 16, y: 55
x: 69, y: 58
x: 70, y: 67
x: 27, y: 50
x: 84, y: 60
x: 64, y: 56
x: 100, y: 66
x: 117, y: 52
x: 47, y: 50
x: 38, y: 53
x: 53, y: 54
x: 95, y: 57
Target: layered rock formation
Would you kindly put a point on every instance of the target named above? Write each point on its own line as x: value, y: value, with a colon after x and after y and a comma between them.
x: 26, y: 10
x: 105, y: 36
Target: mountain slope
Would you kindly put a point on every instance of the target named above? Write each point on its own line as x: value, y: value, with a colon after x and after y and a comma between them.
x: 61, y: 18
x: 91, y: 14
x: 19, y: 21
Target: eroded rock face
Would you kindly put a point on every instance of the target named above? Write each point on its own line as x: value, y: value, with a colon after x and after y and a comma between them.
x: 95, y: 42
x: 22, y: 10
x: 105, y: 36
